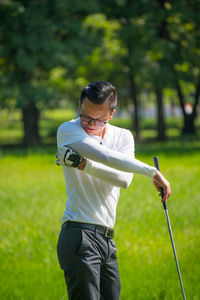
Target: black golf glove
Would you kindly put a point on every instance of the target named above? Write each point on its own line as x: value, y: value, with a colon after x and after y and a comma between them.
x: 67, y: 157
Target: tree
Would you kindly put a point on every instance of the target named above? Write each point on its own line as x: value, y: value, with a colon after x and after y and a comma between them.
x: 186, y: 68
x: 105, y: 61
x: 178, y: 25
x: 131, y: 33
x: 35, y: 37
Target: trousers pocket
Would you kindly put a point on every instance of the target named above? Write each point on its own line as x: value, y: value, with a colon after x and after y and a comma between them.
x: 70, y: 239
x: 69, y: 245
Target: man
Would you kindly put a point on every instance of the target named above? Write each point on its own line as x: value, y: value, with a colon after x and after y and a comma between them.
x: 98, y: 160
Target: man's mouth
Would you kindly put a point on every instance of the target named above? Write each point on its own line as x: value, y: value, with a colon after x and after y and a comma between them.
x: 91, y: 129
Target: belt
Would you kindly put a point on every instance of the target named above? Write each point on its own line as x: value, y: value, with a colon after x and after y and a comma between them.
x: 105, y: 231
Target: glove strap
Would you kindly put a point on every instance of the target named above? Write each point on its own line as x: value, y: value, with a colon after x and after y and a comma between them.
x: 68, y: 150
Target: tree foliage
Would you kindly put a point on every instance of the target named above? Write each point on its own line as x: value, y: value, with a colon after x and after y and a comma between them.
x: 37, y: 36
x: 50, y: 49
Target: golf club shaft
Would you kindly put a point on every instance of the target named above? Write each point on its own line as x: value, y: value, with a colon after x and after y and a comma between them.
x: 156, y: 163
x: 174, y: 250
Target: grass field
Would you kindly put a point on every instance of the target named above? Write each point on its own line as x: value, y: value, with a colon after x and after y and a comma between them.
x: 32, y: 201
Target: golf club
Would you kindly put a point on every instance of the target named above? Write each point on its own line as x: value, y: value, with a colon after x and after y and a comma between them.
x: 156, y: 164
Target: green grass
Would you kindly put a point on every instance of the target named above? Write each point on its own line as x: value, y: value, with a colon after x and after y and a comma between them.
x: 32, y: 194
x: 146, y: 257
x: 32, y: 202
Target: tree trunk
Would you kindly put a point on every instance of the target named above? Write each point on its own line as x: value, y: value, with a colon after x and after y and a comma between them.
x: 160, y: 115
x: 30, y: 122
x: 188, y: 124
x: 133, y: 94
x: 189, y: 119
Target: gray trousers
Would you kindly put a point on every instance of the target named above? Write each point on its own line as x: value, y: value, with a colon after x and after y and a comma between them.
x: 90, y: 264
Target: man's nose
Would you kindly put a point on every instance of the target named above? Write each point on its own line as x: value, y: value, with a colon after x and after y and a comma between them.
x: 90, y: 122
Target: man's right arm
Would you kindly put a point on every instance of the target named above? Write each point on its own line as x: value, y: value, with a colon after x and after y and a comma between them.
x: 89, y: 149
x: 70, y: 135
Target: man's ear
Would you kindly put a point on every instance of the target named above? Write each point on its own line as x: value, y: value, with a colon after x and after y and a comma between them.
x: 111, y: 114
x: 79, y: 106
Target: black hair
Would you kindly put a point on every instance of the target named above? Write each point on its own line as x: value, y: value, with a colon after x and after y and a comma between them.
x: 100, y: 92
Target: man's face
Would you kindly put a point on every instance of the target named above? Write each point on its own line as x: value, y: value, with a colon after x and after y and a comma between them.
x: 100, y: 112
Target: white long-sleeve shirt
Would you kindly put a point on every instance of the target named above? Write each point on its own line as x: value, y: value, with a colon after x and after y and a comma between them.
x: 93, y: 193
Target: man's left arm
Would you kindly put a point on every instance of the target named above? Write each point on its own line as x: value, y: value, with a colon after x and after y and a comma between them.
x: 66, y: 156
x: 105, y: 173
x: 125, y: 145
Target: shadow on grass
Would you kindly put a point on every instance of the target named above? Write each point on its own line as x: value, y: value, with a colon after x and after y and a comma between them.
x: 173, y: 145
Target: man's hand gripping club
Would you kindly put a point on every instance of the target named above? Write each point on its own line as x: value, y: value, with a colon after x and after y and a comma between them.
x: 160, y: 182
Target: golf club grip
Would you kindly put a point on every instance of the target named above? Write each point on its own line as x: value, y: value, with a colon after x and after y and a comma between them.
x: 156, y: 164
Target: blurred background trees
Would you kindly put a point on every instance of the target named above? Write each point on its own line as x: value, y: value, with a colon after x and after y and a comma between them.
x: 50, y: 49
x: 36, y: 37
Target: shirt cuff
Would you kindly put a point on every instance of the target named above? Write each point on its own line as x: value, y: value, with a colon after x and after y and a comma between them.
x: 88, y: 167
x: 150, y: 171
